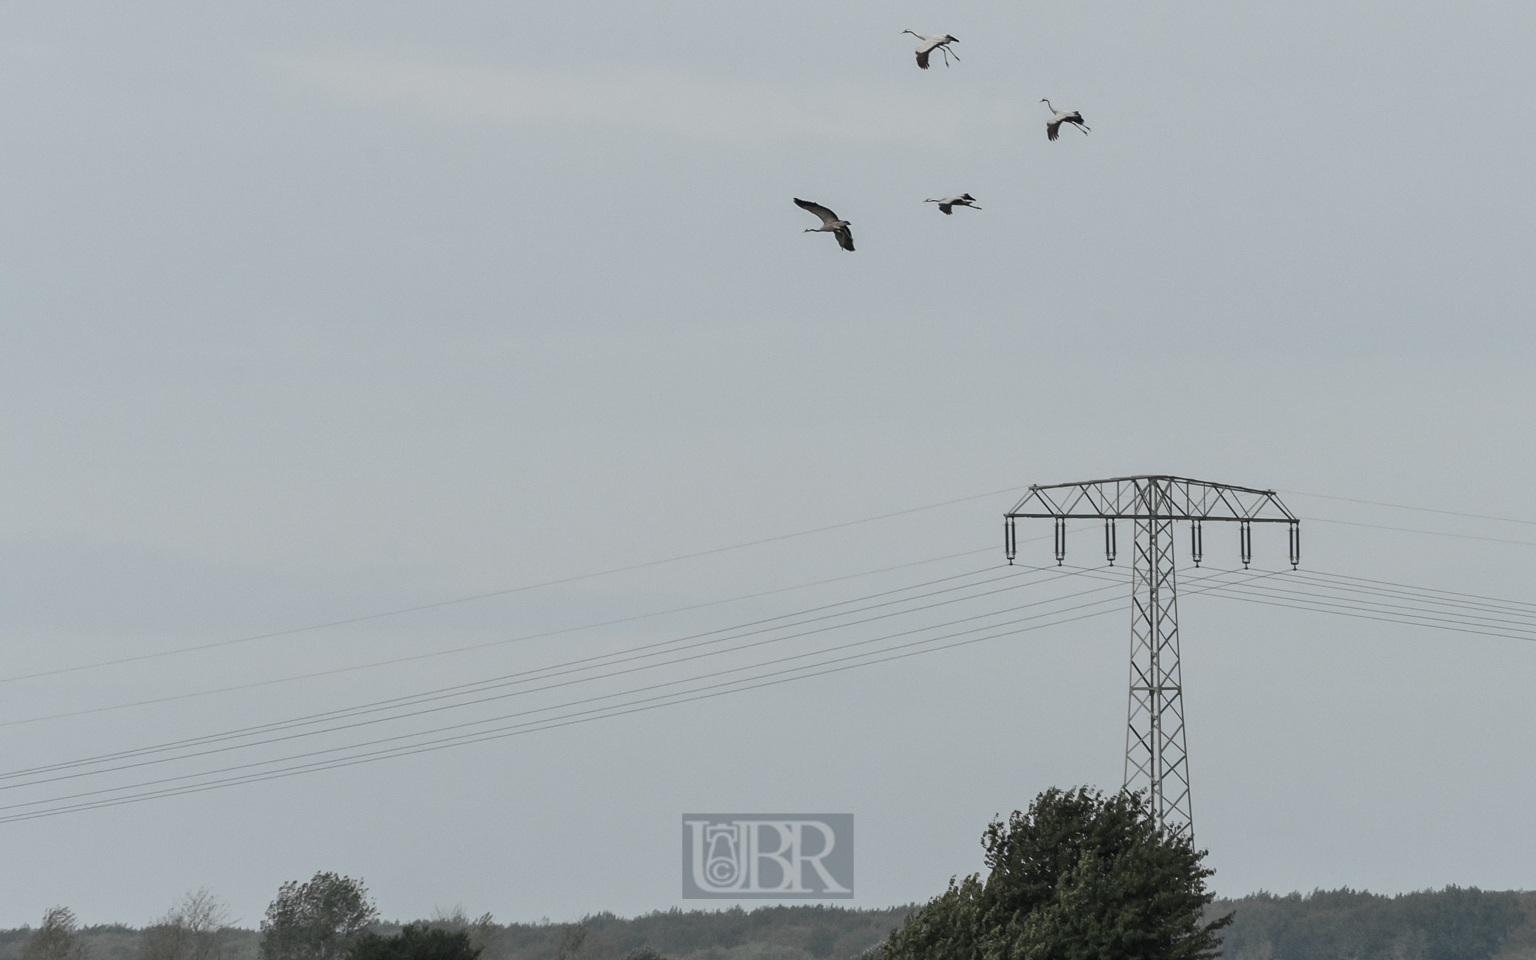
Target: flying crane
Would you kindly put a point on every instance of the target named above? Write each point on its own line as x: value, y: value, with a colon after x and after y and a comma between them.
x: 1058, y: 117
x: 830, y: 223
x: 939, y: 42
x: 947, y: 204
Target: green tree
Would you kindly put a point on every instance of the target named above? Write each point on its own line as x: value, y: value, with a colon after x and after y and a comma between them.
x: 57, y: 939
x: 318, y: 920
x: 1080, y: 876
x: 415, y: 942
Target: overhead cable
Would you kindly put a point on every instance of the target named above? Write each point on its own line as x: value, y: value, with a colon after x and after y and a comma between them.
x: 803, y: 671
x: 488, y: 644
x: 657, y: 648
x: 507, y: 591
x: 33, y: 775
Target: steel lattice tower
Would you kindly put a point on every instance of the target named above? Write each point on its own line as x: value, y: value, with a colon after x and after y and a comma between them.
x: 1156, y: 757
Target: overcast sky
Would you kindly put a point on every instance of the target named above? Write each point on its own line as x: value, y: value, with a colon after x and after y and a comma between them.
x: 317, y: 311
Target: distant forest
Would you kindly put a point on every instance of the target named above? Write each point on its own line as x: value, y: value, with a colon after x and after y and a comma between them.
x: 1450, y: 924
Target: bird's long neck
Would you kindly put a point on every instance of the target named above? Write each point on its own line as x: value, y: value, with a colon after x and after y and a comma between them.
x: 915, y: 34
x: 1048, y: 105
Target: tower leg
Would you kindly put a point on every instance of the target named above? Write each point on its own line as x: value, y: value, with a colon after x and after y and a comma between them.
x: 1155, y: 759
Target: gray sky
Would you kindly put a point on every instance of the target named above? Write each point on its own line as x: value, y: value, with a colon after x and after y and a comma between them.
x: 316, y: 311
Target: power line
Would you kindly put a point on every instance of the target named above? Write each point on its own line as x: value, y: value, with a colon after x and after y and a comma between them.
x: 1417, y: 589
x: 463, y: 740
x: 526, y: 676
x: 551, y: 686
x: 657, y: 648
x: 1432, y: 533
x: 1407, y: 600
x: 1389, y: 608
x: 558, y: 706
x: 575, y: 578
x: 1404, y: 506
x: 736, y: 686
x: 865, y: 658
x: 1365, y: 611
x: 595, y: 712
x: 1428, y: 612
x: 1402, y: 621
x: 1334, y: 582
x: 1116, y: 581
x: 1340, y: 594
x: 490, y: 644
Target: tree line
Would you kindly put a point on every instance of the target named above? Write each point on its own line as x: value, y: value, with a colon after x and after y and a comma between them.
x: 1078, y: 876
x: 1450, y: 924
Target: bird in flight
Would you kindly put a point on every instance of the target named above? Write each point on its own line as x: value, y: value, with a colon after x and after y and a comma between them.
x: 830, y: 223
x: 947, y: 204
x: 926, y: 45
x: 1058, y: 117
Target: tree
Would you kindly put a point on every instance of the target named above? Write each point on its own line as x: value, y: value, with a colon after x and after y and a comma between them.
x: 318, y: 920
x: 415, y: 942
x: 482, y: 930
x: 193, y: 930
x: 56, y: 939
x: 1078, y: 877
x: 570, y: 941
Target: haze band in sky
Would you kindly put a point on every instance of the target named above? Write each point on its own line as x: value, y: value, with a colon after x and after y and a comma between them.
x: 767, y: 855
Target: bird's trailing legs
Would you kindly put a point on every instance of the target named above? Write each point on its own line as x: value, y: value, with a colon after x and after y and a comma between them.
x: 926, y: 46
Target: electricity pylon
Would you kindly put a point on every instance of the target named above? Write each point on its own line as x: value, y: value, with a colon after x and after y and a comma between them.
x: 1156, y: 759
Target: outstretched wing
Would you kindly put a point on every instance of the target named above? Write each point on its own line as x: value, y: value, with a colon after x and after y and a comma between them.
x: 946, y: 209
x: 1052, y: 127
x: 922, y: 57
x: 844, y: 238
x: 827, y: 216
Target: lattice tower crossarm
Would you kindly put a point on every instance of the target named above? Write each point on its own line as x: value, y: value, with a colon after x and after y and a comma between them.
x: 1156, y: 753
